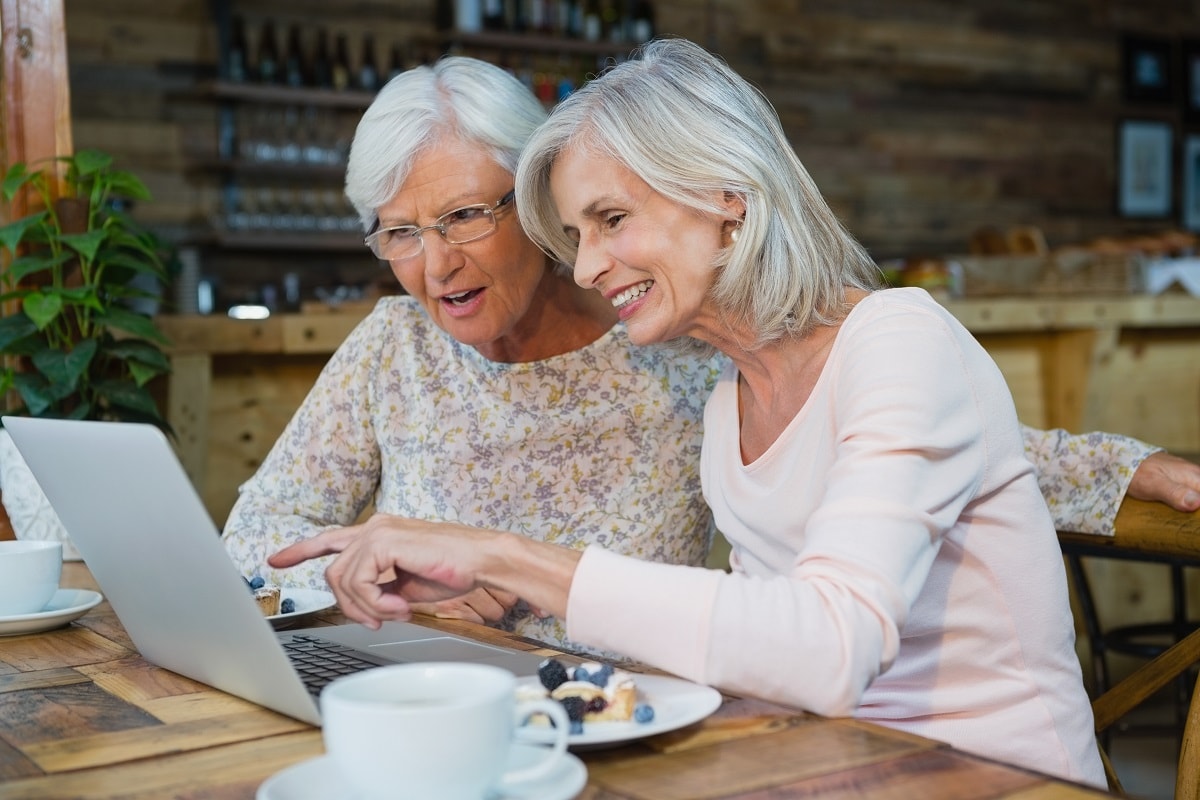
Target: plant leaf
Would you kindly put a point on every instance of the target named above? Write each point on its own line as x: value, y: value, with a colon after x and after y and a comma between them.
x: 66, y: 368
x: 42, y: 308
x: 25, y: 265
x: 90, y: 161
x: 125, y: 395
x: 141, y: 354
x: 139, y: 325
x: 17, y: 176
x: 86, y: 244
x: 37, y: 393
x: 15, y: 327
x: 12, y: 234
x: 127, y: 184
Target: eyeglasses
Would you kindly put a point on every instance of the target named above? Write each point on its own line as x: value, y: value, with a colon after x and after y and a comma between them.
x: 459, y: 226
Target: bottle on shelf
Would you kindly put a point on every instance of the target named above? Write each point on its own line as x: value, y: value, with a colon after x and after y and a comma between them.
x: 570, y: 18
x: 643, y: 21
x: 368, y: 69
x: 236, y: 59
x: 322, y: 64
x: 268, y: 54
x: 493, y: 15
x: 396, y: 63
x: 468, y: 15
x: 341, y: 63
x: 295, y: 65
x: 592, y: 25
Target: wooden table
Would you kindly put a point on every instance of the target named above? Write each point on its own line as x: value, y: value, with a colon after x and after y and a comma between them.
x: 83, y: 716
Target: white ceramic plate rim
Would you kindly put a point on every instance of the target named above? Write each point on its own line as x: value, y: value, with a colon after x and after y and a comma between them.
x: 318, y: 778
x: 64, y: 606
x: 308, y: 601
x: 677, y: 703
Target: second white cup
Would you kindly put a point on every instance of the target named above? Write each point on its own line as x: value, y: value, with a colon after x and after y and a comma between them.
x: 437, y: 731
x: 30, y: 571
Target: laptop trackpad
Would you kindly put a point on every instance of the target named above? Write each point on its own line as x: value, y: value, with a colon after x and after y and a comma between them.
x: 436, y: 649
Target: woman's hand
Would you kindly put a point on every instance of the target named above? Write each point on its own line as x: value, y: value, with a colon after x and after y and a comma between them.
x: 388, y: 565
x: 481, y: 605
x: 1168, y: 479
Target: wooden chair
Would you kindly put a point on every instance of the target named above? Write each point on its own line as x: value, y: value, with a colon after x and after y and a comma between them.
x: 1150, y: 532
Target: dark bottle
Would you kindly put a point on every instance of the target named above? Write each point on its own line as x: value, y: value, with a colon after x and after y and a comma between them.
x: 295, y: 66
x: 322, y: 65
x: 443, y: 15
x: 493, y: 15
x: 591, y: 20
x: 268, y: 54
x: 341, y: 63
x: 643, y: 21
x: 570, y: 18
x: 368, y: 68
x: 235, y: 59
x: 396, y: 63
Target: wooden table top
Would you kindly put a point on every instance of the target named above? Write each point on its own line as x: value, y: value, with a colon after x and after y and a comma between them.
x: 82, y: 715
x: 1144, y: 531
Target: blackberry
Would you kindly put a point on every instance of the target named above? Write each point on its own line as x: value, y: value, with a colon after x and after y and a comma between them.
x: 288, y: 606
x: 552, y: 674
x: 595, y: 705
x: 643, y: 713
x: 574, y: 707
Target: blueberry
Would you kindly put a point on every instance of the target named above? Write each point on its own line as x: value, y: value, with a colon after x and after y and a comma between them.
x: 576, y: 727
x: 580, y: 674
x: 643, y: 713
x: 600, y: 677
x: 574, y: 707
x: 257, y: 582
x: 552, y: 674
x: 288, y: 606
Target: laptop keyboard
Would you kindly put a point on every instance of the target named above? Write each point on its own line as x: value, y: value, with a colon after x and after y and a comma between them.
x: 319, y: 661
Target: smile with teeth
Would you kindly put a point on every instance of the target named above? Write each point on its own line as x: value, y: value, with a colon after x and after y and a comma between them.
x: 631, y: 294
x: 460, y: 297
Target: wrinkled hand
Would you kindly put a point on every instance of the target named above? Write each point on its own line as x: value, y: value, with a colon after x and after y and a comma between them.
x: 481, y: 605
x: 388, y: 564
x: 1167, y: 479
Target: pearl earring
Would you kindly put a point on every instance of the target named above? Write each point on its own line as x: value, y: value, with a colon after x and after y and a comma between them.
x: 735, y: 233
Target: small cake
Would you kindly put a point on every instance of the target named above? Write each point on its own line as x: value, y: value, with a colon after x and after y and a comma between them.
x: 267, y: 598
x: 591, y: 692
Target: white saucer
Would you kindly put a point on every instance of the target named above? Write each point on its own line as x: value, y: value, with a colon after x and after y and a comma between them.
x: 318, y: 779
x: 309, y: 602
x: 66, y: 605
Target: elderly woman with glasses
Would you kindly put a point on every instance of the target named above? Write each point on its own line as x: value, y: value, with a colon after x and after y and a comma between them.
x: 501, y: 395
x: 496, y: 392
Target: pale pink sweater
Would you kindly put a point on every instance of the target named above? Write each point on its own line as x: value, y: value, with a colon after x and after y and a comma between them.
x: 893, y: 558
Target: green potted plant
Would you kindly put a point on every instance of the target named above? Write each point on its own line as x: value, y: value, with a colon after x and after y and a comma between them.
x: 71, y: 343
x: 74, y: 346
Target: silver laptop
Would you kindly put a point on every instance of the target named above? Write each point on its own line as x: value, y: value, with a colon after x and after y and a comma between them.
x: 144, y: 533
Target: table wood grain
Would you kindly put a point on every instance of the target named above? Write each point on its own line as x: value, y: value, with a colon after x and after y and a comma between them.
x: 82, y: 715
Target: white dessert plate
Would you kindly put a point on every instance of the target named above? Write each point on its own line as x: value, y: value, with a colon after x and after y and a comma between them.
x: 64, y: 606
x: 318, y: 779
x: 308, y: 603
x: 676, y: 703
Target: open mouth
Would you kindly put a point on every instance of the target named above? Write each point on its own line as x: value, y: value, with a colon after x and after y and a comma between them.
x: 461, y: 298
x: 632, y: 293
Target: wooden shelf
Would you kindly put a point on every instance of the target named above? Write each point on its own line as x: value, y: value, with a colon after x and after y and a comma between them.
x: 286, y: 95
x: 295, y: 170
x: 526, y: 42
x: 282, y: 241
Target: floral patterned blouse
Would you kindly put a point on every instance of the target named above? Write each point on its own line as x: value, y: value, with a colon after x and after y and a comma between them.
x: 600, y: 445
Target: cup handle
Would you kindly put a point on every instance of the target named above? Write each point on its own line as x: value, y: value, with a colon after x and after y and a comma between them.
x: 562, y: 730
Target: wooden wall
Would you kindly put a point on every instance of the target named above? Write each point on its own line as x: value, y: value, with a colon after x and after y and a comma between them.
x: 920, y: 119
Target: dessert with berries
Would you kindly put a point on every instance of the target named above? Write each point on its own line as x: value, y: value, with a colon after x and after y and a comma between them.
x: 269, y: 597
x: 591, y: 692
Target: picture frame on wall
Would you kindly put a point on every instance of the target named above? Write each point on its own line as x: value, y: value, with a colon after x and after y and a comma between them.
x: 1190, y: 79
x: 1145, y: 176
x: 1147, y: 71
x: 1190, y: 218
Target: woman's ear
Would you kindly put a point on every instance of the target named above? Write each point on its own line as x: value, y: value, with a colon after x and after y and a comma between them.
x: 735, y: 205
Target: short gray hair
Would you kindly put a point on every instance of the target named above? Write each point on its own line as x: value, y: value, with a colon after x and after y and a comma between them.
x: 690, y: 127
x: 456, y: 96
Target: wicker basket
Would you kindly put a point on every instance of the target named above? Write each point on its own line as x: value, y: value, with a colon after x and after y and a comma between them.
x: 1063, y: 272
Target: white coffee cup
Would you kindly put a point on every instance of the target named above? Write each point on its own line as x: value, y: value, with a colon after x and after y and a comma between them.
x: 29, y: 574
x: 436, y: 731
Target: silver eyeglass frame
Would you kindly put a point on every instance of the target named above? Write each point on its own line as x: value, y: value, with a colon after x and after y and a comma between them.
x: 371, y: 240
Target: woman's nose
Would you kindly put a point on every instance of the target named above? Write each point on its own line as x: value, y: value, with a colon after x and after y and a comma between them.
x: 590, y: 264
x: 442, y: 259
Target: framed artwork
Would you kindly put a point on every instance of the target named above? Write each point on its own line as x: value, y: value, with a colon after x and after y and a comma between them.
x: 1191, y: 183
x: 1190, y: 79
x: 1144, y: 170
x: 1146, y: 69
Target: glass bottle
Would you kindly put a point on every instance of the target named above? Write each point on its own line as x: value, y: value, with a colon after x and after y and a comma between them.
x: 591, y: 21
x: 235, y: 59
x: 295, y: 66
x: 322, y: 65
x: 268, y: 54
x: 368, y: 69
x: 341, y: 63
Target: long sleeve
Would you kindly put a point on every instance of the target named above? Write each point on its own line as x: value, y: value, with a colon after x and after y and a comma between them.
x: 1084, y: 477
